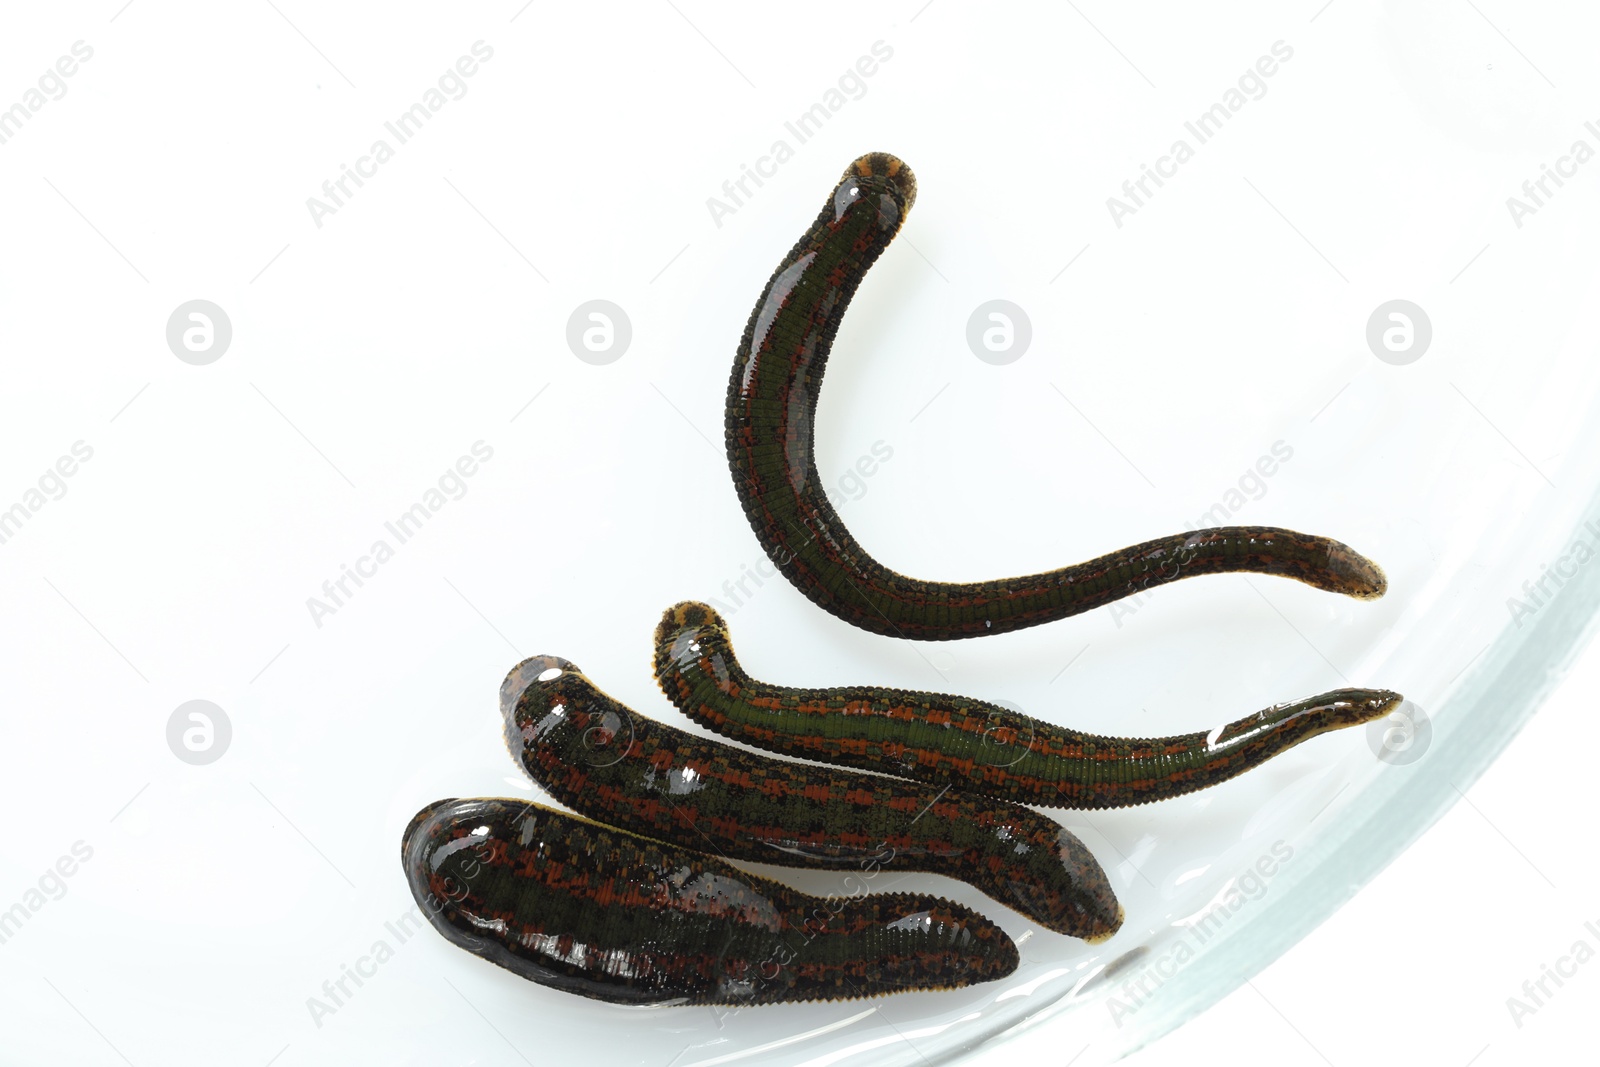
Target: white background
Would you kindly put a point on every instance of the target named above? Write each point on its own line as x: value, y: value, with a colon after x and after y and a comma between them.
x: 429, y: 312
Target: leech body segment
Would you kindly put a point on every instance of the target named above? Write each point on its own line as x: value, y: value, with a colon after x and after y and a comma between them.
x: 615, y: 766
x: 590, y: 910
x: 768, y: 430
x: 970, y: 744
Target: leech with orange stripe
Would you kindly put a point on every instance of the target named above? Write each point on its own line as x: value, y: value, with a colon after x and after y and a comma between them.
x: 613, y: 765
x: 971, y: 744
x: 602, y: 913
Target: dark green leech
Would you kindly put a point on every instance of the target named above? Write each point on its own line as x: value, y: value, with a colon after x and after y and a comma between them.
x: 971, y: 744
x: 591, y: 910
x: 771, y: 405
x: 618, y: 767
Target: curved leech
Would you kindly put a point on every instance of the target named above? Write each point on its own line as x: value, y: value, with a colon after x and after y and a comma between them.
x: 971, y: 744
x: 768, y: 431
x: 613, y: 765
x: 591, y: 910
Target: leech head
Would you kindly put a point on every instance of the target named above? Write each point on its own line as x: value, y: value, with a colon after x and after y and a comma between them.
x: 531, y: 670
x: 1090, y: 910
x: 1368, y: 705
x: 878, y: 182
x: 889, y: 168
x: 418, y: 820
x: 686, y: 629
x: 692, y: 646
x: 1354, y: 574
x: 553, y: 708
x: 1326, y: 711
x: 1347, y: 707
x: 1109, y: 929
x: 689, y: 613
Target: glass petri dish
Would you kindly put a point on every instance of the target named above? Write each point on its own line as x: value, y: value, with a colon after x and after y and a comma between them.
x: 1168, y: 386
x: 1491, y: 594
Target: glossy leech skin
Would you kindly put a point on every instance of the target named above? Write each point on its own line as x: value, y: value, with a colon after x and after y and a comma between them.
x: 971, y: 744
x: 590, y: 910
x: 768, y: 429
x: 618, y: 767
